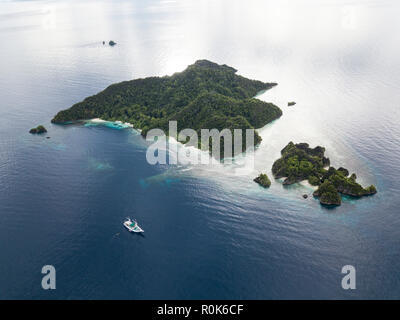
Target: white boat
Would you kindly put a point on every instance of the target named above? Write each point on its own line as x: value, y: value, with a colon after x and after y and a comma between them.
x: 132, y: 226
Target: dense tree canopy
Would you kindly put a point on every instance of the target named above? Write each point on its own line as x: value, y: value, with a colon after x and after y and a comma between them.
x: 300, y: 162
x: 39, y: 129
x: 204, y: 96
x: 263, y: 180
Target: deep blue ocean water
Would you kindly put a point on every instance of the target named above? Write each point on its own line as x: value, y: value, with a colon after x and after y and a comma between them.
x: 208, y: 234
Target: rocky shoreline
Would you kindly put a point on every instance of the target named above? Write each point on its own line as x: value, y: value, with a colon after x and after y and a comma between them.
x: 299, y: 162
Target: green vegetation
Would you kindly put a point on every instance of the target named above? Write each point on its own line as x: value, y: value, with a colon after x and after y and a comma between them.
x: 347, y: 185
x: 291, y: 103
x: 204, y: 96
x: 263, y: 180
x: 328, y: 194
x: 38, y: 129
x: 299, y: 162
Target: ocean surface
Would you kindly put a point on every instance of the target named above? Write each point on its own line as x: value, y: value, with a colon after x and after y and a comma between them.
x: 209, y: 234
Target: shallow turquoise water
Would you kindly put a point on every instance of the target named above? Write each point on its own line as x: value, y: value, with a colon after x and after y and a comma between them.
x: 209, y: 234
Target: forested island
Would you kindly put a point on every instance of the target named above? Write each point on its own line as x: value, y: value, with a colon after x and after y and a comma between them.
x: 38, y: 130
x: 300, y: 162
x: 210, y: 96
x: 263, y: 180
x: 203, y: 96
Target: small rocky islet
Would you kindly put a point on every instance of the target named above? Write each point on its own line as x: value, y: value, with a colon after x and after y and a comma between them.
x: 111, y: 43
x: 38, y: 130
x: 299, y: 162
x: 263, y: 180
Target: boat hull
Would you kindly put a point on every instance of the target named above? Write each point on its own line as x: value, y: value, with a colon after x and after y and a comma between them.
x: 136, y: 229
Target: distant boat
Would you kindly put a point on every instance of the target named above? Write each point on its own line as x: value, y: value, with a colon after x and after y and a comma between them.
x: 132, y: 226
